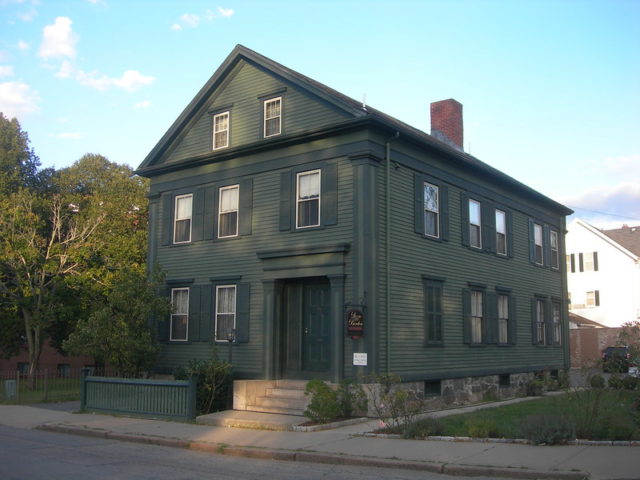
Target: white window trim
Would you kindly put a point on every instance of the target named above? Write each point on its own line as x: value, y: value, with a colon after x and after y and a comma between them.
x: 186, y: 336
x: 506, y: 247
x: 298, y: 201
x: 176, y: 219
x: 264, y: 124
x: 479, y: 225
x: 437, y: 211
x: 223, y: 114
x: 220, y: 212
x: 478, y: 318
x: 235, y: 307
x: 503, y: 320
x: 538, y: 227
x: 541, y: 323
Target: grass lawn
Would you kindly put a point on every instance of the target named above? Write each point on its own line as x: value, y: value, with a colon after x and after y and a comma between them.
x: 57, y: 390
x: 594, y: 414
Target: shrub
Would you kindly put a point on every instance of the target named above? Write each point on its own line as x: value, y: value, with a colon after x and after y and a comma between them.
x: 351, y: 398
x: 596, y: 381
x: 630, y: 383
x: 615, y: 382
x: 423, y: 428
x: 215, y: 383
x: 547, y: 429
x: 324, y: 406
x: 535, y: 387
x: 481, y: 427
x: 394, y: 405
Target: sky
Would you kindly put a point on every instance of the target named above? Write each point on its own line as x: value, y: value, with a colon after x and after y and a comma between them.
x: 550, y: 89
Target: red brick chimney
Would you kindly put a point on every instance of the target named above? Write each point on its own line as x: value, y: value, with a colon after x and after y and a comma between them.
x: 446, y: 122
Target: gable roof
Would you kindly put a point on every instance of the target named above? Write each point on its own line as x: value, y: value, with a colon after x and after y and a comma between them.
x: 583, y: 322
x: 628, y: 237
x: 605, y: 237
x: 356, y: 110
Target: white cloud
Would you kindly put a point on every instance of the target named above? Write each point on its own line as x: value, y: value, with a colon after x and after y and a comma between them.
x: 142, y: 104
x: 58, y: 40
x: 604, y: 206
x: 176, y: 27
x: 67, y: 135
x: 22, y: 46
x: 27, y: 15
x: 6, y: 71
x: 17, y: 99
x: 190, y: 20
x: 225, y: 12
x: 131, y: 80
x: 67, y: 70
x: 193, y: 20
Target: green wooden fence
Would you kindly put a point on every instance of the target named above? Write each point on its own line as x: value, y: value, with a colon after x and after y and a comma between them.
x: 170, y: 399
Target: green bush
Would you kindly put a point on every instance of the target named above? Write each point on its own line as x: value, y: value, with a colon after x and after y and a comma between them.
x: 395, y: 406
x: 351, y: 399
x: 480, y: 427
x: 596, y: 381
x: 630, y: 383
x: 615, y: 382
x: 535, y: 387
x: 215, y: 383
x: 423, y: 428
x: 324, y: 406
x: 547, y: 429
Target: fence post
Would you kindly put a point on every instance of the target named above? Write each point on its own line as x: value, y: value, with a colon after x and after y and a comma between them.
x: 191, y: 397
x: 83, y: 388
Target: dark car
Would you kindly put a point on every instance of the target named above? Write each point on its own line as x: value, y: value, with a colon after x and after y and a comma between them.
x: 616, y: 359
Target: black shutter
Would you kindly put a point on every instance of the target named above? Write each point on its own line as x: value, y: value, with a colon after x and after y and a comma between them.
x: 532, y: 241
x: 490, y: 325
x: 163, y: 322
x: 205, y: 314
x: 246, y: 207
x: 285, y: 200
x: 513, y: 324
x: 466, y: 316
x: 193, y: 330
x: 210, y: 212
x: 167, y: 218
x: 597, y: 295
x: 509, y: 220
x: 573, y: 263
x: 444, y: 212
x: 242, y: 312
x: 197, y: 219
x: 595, y: 261
x: 418, y: 204
x: 546, y: 245
x: 534, y: 322
x: 329, y: 194
x: 581, y: 262
x: 464, y: 216
x: 488, y: 215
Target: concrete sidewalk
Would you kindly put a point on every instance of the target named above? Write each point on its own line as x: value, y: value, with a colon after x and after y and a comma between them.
x: 346, y: 445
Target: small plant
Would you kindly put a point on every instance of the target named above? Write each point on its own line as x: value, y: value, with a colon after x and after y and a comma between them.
x: 481, y: 427
x: 351, y: 398
x: 630, y: 383
x: 596, y: 382
x: 324, y: 406
x: 395, y: 406
x: 535, y: 387
x: 615, y: 382
x: 547, y: 429
x: 423, y: 428
x: 215, y: 383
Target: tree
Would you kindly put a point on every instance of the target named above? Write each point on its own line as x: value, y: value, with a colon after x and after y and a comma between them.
x: 630, y: 336
x: 119, y: 332
x: 40, y: 242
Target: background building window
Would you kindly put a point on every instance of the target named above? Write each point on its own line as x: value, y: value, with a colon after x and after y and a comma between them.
x: 225, y: 312
x: 180, y: 316
x: 431, y: 210
x: 474, y: 224
x: 308, y: 199
x: 182, y: 223
x: 272, y: 117
x: 593, y: 298
x: 228, y: 214
x: 221, y: 130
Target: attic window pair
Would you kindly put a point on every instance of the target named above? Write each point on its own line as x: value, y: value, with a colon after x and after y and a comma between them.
x: 272, y: 123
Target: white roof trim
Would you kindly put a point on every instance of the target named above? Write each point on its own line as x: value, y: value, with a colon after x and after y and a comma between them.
x: 605, y: 238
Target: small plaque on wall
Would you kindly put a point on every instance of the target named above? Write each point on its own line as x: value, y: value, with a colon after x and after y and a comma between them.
x: 360, y: 359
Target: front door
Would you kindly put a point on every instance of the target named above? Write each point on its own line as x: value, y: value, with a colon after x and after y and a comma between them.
x: 306, y: 329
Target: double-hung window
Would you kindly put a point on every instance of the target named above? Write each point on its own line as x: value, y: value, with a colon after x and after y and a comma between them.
x: 593, y: 298
x: 503, y: 318
x: 308, y: 199
x: 221, y: 130
x: 501, y: 232
x: 431, y: 210
x: 228, y: 211
x: 556, y: 324
x: 555, y: 251
x: 477, y: 316
x: 272, y: 117
x: 541, y: 331
x: 225, y: 316
x: 182, y: 219
x: 475, y: 228
x: 179, y: 324
x: 538, y: 244
x: 433, y: 310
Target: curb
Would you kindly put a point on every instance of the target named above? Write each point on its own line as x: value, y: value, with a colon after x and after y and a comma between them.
x: 314, y: 457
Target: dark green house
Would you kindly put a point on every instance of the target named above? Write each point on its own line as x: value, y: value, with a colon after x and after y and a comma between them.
x: 329, y: 240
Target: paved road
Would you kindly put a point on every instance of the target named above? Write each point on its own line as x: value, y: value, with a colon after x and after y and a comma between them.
x: 37, y: 455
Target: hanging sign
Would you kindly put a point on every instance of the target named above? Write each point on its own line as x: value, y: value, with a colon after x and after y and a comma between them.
x: 355, y: 324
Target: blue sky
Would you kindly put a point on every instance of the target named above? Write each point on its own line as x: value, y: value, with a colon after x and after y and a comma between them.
x: 551, y: 89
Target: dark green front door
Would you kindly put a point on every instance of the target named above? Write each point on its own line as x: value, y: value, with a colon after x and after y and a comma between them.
x: 316, y: 328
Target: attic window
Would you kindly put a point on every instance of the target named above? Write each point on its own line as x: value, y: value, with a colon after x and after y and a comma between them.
x: 221, y: 130
x: 272, y: 117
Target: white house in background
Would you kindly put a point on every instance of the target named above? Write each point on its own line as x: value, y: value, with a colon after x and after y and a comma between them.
x: 603, y: 270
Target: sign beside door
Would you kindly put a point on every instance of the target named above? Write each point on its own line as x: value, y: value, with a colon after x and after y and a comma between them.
x: 355, y: 324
